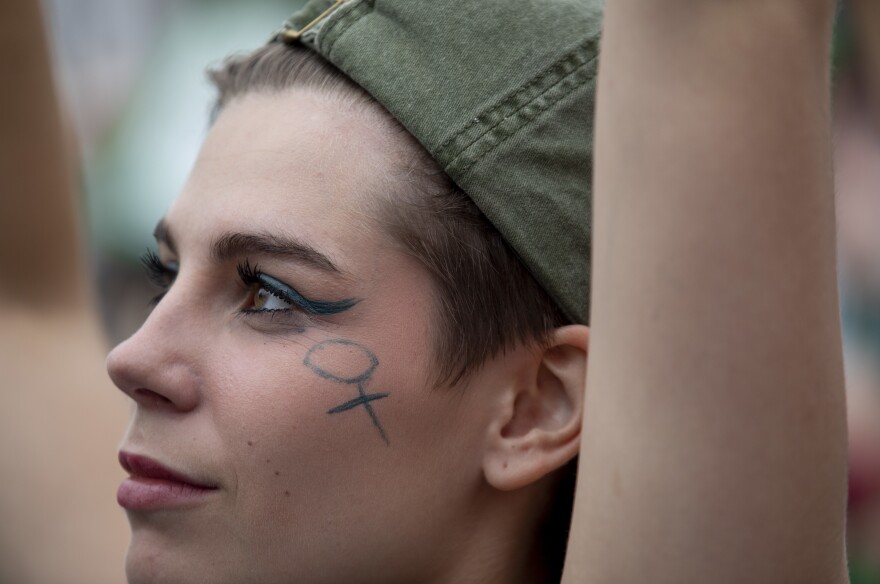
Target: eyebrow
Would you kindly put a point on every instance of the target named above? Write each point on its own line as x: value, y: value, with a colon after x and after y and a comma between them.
x: 234, y: 244
x: 163, y: 235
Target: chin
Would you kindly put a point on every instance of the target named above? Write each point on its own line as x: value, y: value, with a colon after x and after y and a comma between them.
x: 148, y: 564
x: 152, y: 560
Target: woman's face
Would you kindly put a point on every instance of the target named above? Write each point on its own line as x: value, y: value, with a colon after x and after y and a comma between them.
x: 287, y: 369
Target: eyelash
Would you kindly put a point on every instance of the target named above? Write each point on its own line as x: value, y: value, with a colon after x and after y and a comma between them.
x: 252, y: 277
x: 162, y: 275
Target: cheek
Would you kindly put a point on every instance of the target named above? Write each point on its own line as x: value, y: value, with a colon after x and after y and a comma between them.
x: 305, y: 417
x: 268, y: 400
x: 299, y: 469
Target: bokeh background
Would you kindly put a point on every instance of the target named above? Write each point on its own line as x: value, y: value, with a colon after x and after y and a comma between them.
x: 131, y: 76
x: 857, y: 185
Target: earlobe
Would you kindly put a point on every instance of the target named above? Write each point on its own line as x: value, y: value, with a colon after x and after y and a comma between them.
x: 539, y: 419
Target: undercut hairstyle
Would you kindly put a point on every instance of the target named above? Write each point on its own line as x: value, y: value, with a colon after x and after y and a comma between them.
x: 486, y: 300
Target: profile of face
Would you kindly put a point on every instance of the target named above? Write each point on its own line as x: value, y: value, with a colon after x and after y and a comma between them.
x: 283, y: 384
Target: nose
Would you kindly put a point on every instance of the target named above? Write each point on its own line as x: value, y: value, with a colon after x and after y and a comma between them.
x: 157, y: 367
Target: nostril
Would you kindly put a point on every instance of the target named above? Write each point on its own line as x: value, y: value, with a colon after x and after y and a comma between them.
x: 149, y: 397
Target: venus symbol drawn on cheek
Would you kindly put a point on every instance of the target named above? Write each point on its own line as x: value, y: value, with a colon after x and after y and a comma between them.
x: 348, y: 363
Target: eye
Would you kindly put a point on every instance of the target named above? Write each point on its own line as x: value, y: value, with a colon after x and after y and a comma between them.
x: 269, y: 294
x: 265, y: 294
x: 160, y: 274
x: 263, y: 299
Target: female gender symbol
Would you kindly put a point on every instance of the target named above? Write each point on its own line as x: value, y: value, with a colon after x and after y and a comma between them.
x: 339, y: 354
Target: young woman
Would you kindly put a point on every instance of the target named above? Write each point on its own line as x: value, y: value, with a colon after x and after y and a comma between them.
x: 370, y: 362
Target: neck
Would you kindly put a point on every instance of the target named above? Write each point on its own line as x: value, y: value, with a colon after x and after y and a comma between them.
x: 500, y: 543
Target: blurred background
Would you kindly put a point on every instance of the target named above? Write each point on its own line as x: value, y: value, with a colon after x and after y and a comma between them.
x: 132, y: 77
x: 135, y: 96
x: 857, y: 182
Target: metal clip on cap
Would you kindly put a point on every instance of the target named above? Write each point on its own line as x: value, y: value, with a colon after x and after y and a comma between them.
x: 291, y: 35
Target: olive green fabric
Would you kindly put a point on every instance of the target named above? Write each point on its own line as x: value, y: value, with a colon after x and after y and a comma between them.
x: 501, y: 93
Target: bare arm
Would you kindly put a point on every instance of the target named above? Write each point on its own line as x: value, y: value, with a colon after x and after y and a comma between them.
x: 714, y: 436
x: 40, y: 254
x: 60, y: 419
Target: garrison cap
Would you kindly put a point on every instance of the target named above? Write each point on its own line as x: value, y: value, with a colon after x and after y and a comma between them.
x: 501, y: 94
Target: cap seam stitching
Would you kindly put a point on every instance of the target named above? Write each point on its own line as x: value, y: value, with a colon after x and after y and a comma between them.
x: 536, y: 268
x: 581, y: 51
x: 335, y: 28
x: 450, y: 166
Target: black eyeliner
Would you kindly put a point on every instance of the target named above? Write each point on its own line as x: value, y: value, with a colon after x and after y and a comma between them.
x: 252, y: 275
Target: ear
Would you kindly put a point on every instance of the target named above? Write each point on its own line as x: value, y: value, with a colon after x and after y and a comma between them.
x: 537, y: 426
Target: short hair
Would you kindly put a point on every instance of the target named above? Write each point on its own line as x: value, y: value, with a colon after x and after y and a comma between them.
x: 486, y: 300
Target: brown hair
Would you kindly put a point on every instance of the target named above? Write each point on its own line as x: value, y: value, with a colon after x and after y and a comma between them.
x: 485, y: 300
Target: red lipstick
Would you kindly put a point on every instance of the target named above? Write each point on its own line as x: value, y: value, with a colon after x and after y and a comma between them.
x: 152, y: 486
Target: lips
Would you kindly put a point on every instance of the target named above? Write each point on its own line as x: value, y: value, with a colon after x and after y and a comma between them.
x: 143, y: 467
x: 152, y: 486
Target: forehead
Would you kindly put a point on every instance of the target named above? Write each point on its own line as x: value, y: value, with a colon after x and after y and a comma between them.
x: 292, y: 161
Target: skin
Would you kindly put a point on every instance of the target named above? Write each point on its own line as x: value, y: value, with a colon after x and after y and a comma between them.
x: 240, y: 401
x: 714, y: 443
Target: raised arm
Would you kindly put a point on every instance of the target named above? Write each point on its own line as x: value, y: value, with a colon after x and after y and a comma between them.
x: 714, y: 435
x: 59, y: 418
x: 40, y: 253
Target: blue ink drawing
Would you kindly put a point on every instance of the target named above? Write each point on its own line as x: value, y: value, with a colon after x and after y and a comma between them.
x: 323, y: 351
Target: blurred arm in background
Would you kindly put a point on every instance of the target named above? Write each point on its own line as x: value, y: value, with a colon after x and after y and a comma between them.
x: 59, y: 419
x: 40, y: 253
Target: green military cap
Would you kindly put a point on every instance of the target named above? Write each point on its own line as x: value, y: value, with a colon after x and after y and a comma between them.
x: 501, y: 94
